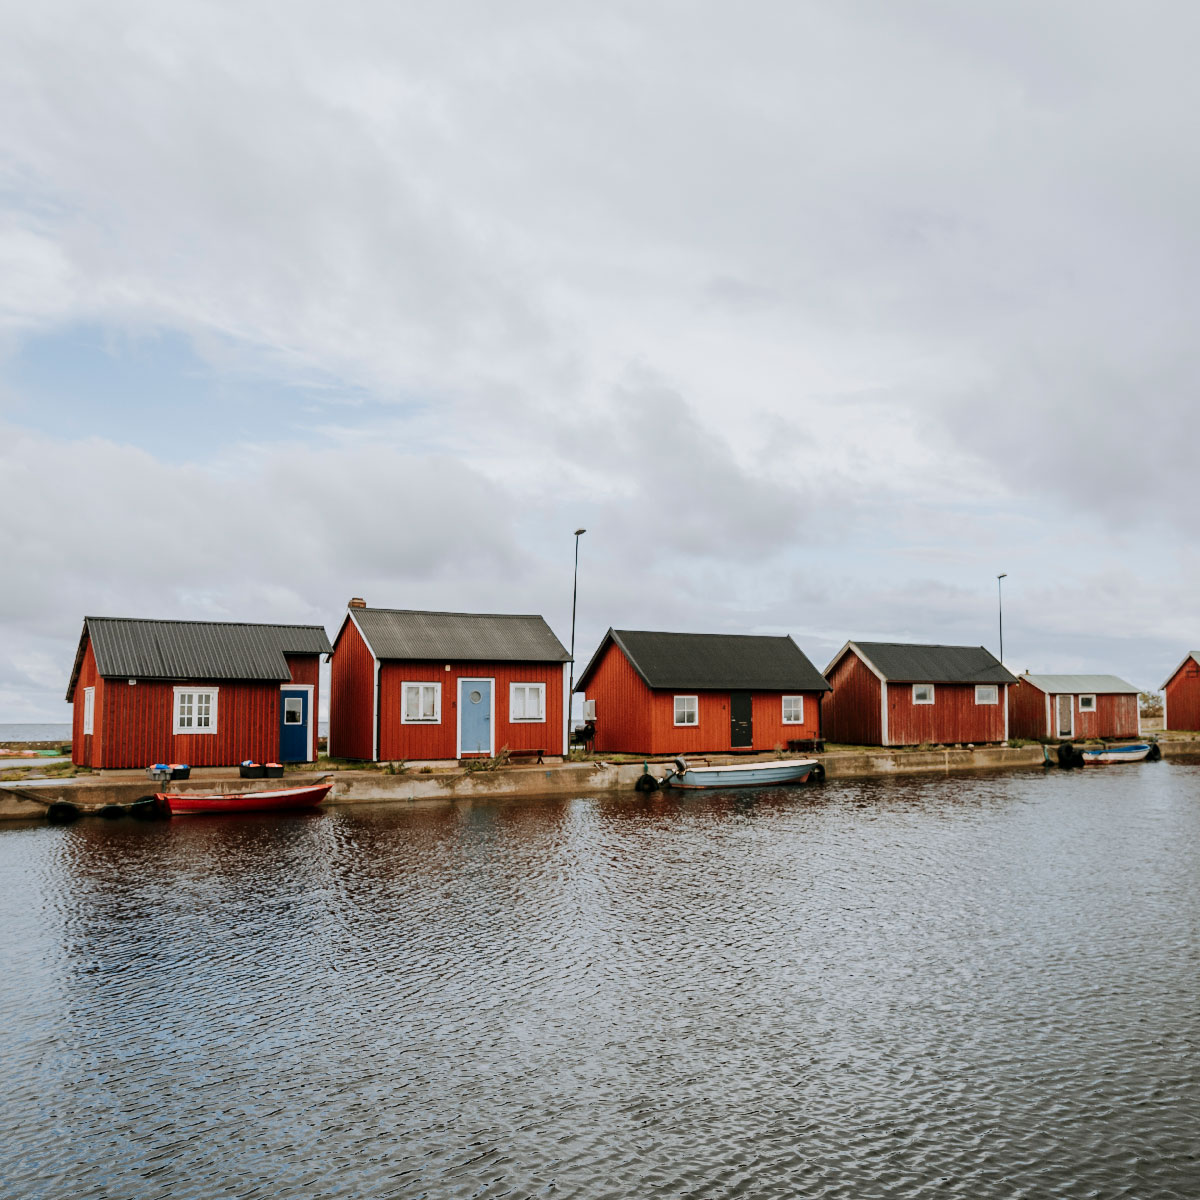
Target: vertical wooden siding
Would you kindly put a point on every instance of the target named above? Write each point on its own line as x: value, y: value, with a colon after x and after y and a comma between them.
x: 852, y: 709
x: 351, y: 696
x: 952, y: 717
x: 85, y: 748
x: 1183, y: 698
x: 139, y: 719
x: 417, y: 741
x: 622, y: 705
x: 134, y: 724
x: 1027, y: 711
x: 631, y: 718
x: 1116, y: 714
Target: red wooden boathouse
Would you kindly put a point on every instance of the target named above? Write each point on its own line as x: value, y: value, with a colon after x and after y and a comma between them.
x: 1073, y: 706
x: 205, y: 693
x: 418, y: 685
x: 700, y: 693
x: 1181, y: 696
x: 898, y: 694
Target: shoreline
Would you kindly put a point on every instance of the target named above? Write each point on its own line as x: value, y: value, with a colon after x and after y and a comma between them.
x: 28, y: 799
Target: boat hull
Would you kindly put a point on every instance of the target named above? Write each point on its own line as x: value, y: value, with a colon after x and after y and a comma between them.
x: 1115, y: 754
x: 283, y: 798
x: 771, y: 774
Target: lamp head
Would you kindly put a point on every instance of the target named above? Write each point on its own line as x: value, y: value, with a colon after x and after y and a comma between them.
x: 579, y: 531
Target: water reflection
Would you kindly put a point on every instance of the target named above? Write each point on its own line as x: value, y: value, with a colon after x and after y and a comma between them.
x: 983, y: 986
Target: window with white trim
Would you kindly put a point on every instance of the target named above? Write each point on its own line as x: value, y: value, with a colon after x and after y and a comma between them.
x: 89, y: 709
x: 987, y: 693
x: 793, y: 710
x: 526, y: 701
x: 687, y: 710
x: 422, y: 704
x: 195, y: 710
x: 922, y: 693
x: 1087, y: 703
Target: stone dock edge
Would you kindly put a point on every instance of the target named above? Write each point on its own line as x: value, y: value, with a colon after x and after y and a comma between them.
x: 25, y: 801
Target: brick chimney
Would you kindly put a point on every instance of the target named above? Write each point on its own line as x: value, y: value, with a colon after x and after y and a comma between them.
x: 357, y: 602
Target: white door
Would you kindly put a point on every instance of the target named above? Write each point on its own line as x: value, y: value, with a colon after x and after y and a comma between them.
x: 1066, y: 716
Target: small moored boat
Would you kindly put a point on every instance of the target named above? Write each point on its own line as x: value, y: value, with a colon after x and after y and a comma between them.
x: 1102, y: 755
x: 741, y: 775
x: 281, y: 798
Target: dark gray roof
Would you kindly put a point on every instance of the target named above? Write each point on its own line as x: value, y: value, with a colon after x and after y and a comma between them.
x: 130, y: 648
x: 906, y: 663
x: 711, y: 661
x: 458, y: 637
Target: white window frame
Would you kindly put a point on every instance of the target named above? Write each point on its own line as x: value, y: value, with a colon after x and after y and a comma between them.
x: 89, y: 711
x: 1090, y: 708
x: 917, y: 699
x: 194, y: 730
x: 540, y: 690
x: 784, y: 710
x: 405, y: 719
x: 695, y: 707
x: 987, y: 687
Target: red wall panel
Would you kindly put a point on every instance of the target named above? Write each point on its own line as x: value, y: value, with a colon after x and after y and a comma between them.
x: 1115, y: 715
x: 1183, y: 698
x: 415, y: 742
x: 631, y: 718
x: 1026, y: 711
x: 852, y: 709
x: 952, y: 717
x: 351, y: 696
x: 86, y: 747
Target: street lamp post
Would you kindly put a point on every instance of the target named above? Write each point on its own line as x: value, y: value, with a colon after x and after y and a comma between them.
x: 1000, y: 604
x: 574, y: 597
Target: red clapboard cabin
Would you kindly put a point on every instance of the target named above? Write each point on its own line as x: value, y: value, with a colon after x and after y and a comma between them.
x: 1073, y: 706
x: 1181, y: 696
x: 895, y: 694
x: 418, y: 686
x: 700, y: 693
x: 205, y: 693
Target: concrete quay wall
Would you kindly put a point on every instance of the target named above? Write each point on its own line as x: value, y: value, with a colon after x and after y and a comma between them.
x: 29, y: 800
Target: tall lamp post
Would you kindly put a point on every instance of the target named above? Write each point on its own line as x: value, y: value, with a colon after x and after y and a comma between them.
x: 574, y: 596
x: 1000, y: 605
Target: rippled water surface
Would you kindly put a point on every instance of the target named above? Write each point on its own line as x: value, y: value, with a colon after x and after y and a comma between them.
x: 961, y: 987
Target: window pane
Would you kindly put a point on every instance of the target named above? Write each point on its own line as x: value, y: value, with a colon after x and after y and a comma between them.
x: 428, y: 702
x: 412, y: 703
x: 518, y: 702
x: 536, y: 695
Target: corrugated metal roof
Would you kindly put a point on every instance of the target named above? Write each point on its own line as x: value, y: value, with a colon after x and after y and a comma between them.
x: 1077, y: 684
x: 907, y: 663
x: 708, y: 661
x: 132, y: 648
x: 458, y: 637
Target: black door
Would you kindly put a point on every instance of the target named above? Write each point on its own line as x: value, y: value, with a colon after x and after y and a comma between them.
x: 741, y: 726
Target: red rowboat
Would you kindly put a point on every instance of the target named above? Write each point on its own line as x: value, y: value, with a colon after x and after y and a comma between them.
x: 301, y: 797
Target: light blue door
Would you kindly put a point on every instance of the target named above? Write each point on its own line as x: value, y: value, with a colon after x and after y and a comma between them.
x: 475, y: 716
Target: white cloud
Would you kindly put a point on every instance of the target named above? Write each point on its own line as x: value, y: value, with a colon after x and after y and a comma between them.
x: 817, y: 317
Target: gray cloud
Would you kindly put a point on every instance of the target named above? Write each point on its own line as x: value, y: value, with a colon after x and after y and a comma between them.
x: 817, y: 316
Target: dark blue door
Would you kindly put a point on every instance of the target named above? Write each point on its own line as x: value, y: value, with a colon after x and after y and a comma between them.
x: 475, y: 716
x: 293, y: 728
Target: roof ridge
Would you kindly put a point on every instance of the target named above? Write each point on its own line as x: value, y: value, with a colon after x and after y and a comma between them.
x: 438, y: 612
x: 687, y: 633
x: 189, y: 621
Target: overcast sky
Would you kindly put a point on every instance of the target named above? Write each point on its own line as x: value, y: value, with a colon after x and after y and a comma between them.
x: 817, y: 316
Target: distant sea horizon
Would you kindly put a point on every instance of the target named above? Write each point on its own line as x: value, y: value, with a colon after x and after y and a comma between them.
x: 61, y: 731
